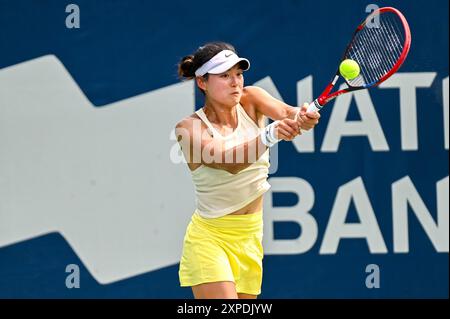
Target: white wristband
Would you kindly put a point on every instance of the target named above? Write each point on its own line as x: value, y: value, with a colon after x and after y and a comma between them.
x: 268, y: 135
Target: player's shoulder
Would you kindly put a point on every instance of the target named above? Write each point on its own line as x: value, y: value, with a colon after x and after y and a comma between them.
x: 249, y: 102
x: 250, y: 95
x: 253, y: 95
x: 252, y: 91
x: 187, y: 121
x: 189, y: 124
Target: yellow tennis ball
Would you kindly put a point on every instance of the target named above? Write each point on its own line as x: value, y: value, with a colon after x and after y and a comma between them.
x: 349, y: 69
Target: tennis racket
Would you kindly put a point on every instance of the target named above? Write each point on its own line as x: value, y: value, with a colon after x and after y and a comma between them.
x: 379, y: 45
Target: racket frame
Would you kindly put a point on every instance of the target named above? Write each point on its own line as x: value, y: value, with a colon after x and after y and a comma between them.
x: 326, y: 97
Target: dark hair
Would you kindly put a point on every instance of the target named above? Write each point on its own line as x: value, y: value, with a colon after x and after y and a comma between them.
x: 190, y: 63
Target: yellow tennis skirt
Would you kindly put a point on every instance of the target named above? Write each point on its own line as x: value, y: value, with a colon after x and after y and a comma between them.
x: 227, y: 248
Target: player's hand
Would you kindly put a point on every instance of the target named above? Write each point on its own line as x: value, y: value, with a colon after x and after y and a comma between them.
x: 287, y: 129
x: 307, y: 120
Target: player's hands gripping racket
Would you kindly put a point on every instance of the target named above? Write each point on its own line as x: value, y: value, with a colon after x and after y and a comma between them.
x: 378, y: 48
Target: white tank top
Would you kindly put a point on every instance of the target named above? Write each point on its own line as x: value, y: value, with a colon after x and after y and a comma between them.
x: 219, y: 192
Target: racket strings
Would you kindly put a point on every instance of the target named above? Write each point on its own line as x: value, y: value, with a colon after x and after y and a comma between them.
x: 377, y: 48
x: 381, y: 43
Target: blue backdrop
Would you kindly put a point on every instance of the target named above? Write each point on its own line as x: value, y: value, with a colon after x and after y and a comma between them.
x: 126, y: 48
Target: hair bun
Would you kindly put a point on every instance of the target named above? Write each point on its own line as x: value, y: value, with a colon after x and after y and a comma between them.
x: 186, y: 67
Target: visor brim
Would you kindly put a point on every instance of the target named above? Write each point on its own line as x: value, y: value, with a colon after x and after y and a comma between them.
x: 244, y: 63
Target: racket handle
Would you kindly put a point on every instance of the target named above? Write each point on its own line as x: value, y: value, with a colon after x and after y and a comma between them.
x: 314, y: 106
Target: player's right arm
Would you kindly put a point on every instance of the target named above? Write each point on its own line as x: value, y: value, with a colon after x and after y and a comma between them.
x: 198, y: 146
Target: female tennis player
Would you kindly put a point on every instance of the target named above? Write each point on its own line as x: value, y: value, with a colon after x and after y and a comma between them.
x: 226, y: 146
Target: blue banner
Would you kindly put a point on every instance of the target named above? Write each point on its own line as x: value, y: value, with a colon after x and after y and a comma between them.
x: 94, y: 201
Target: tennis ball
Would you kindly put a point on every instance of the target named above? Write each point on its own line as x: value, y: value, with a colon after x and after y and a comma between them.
x: 349, y: 69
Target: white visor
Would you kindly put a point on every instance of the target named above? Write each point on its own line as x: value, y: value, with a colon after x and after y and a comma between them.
x: 221, y: 62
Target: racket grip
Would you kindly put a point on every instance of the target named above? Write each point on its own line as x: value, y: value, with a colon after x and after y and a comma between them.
x: 314, y: 106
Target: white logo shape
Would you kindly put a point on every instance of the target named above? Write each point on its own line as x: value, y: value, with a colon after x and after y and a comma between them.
x: 102, y: 177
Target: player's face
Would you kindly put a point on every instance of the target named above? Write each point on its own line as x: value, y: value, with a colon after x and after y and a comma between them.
x: 226, y: 88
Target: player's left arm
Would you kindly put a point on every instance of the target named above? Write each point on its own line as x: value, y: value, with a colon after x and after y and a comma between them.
x: 267, y: 105
x: 275, y: 109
